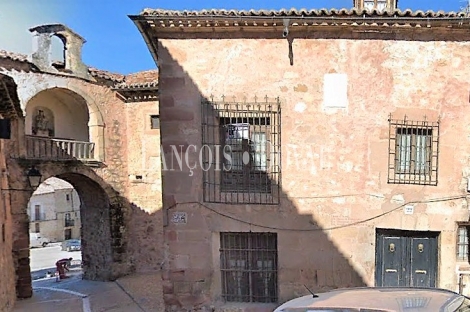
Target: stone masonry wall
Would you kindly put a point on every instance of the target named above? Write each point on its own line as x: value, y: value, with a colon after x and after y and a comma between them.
x: 120, y: 209
x: 7, y: 273
x: 334, y: 160
x: 145, y: 186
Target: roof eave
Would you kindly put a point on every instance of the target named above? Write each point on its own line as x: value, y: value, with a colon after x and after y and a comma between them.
x: 187, y: 27
x: 143, y: 31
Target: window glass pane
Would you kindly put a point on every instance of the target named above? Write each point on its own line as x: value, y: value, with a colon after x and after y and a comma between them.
x: 381, y: 5
x: 404, y: 152
x: 421, y: 157
x: 462, y: 235
x: 154, y: 122
x: 238, y: 131
x: 369, y: 5
x: 259, y: 146
x: 236, y: 162
x: 461, y: 251
x: 462, y: 243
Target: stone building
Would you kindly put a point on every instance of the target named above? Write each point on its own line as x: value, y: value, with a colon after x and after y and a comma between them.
x: 87, y: 127
x: 54, y: 211
x: 9, y: 109
x: 318, y: 148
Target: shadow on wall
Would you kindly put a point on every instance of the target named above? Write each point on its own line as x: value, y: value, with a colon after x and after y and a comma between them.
x: 115, y: 232
x: 109, y: 233
x: 192, y: 272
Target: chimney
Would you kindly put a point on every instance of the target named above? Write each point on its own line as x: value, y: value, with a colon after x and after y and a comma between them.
x: 379, y: 5
x: 42, y: 50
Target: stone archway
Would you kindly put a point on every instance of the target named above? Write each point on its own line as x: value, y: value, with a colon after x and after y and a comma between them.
x: 97, y: 254
x: 95, y: 122
x: 102, y: 219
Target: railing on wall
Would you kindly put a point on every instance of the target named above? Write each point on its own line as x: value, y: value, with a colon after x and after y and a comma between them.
x: 69, y: 222
x: 57, y: 149
x: 39, y: 217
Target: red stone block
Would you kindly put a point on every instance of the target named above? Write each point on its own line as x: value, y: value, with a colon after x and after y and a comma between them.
x: 171, y: 300
x: 176, y: 114
x: 171, y: 83
x: 167, y: 287
x: 167, y: 101
x: 171, y: 236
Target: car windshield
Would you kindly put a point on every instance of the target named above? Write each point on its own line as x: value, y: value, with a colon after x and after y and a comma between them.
x: 465, y: 306
x: 74, y: 242
x: 331, y: 310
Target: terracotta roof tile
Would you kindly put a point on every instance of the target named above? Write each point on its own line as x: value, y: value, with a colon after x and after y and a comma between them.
x: 299, y: 13
x: 13, y: 56
x: 144, y: 85
x: 142, y: 76
x: 93, y: 71
x: 143, y: 79
x: 104, y: 74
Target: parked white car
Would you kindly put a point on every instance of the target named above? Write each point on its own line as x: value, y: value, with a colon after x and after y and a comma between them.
x: 35, y: 240
x: 380, y: 299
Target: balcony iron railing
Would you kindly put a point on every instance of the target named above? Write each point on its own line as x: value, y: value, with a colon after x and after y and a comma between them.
x: 38, y: 217
x: 57, y: 149
x: 69, y: 222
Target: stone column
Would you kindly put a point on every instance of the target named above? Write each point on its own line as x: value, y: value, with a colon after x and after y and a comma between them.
x: 19, y: 203
x: 41, y: 56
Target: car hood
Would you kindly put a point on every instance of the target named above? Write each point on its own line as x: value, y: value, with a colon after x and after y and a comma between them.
x: 382, y: 299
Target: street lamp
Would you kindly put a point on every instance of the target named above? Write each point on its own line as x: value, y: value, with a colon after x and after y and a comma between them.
x: 34, y: 177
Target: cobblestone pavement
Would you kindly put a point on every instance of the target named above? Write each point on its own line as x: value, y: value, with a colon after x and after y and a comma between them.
x: 132, y: 293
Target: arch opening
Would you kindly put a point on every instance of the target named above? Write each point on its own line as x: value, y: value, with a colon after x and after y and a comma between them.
x: 58, y: 50
x: 54, y: 226
x: 65, y: 209
x: 58, y: 113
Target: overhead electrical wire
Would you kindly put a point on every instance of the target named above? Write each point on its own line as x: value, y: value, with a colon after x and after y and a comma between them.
x: 432, y: 200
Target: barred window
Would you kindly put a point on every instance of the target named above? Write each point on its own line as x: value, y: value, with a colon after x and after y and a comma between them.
x: 241, y: 152
x: 249, y: 266
x: 413, y: 152
x: 462, y: 243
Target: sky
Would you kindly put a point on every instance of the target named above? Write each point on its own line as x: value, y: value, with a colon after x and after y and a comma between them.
x: 113, y: 41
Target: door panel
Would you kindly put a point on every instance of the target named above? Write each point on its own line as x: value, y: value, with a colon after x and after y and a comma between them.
x: 406, y: 259
x: 393, y: 251
x: 421, y: 262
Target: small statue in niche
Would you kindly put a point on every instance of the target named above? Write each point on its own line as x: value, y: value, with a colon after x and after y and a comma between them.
x: 41, y: 121
x: 41, y: 124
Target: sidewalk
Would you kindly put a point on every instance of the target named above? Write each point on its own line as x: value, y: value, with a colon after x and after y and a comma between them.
x: 128, y: 294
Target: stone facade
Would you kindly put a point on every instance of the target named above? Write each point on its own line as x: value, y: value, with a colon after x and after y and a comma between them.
x: 54, y: 211
x: 337, y: 86
x: 144, y: 189
x: 8, y: 96
x: 120, y: 217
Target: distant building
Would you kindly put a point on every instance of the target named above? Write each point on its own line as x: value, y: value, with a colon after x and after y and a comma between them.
x: 54, y: 210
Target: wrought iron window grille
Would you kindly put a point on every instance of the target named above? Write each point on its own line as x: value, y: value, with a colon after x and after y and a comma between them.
x: 413, y: 151
x: 249, y: 266
x: 241, y: 151
x: 462, y: 242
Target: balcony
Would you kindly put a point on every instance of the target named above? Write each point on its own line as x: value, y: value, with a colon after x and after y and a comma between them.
x: 38, y: 217
x: 42, y: 148
x: 69, y: 222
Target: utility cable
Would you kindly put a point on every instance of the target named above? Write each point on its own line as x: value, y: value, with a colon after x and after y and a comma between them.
x: 432, y: 200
